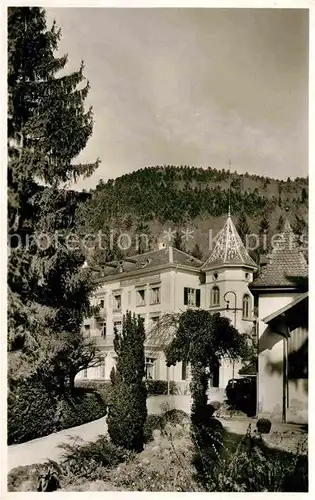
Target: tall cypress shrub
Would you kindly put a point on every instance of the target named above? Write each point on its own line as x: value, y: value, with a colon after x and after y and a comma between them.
x: 128, y: 411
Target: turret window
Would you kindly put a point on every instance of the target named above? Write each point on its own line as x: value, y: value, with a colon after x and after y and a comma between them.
x: 246, y: 307
x: 215, y: 296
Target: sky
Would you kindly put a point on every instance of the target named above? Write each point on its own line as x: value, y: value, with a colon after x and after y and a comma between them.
x: 192, y: 87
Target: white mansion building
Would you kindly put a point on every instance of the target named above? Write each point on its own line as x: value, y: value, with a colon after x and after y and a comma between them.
x: 168, y: 280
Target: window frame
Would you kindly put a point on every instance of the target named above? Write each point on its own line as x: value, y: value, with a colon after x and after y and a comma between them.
x: 192, y: 292
x: 152, y: 289
x: 215, y: 294
x: 115, y: 295
x: 246, y: 307
x: 138, y: 291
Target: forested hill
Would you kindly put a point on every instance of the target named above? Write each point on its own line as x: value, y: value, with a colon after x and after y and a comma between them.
x: 155, y: 198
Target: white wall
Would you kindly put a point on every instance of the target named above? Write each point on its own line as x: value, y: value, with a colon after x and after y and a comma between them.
x: 270, y: 366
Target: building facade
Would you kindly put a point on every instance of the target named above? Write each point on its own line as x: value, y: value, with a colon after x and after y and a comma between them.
x: 165, y: 281
x: 282, y: 384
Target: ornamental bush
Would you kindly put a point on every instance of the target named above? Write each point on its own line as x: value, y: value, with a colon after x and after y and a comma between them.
x: 127, y: 409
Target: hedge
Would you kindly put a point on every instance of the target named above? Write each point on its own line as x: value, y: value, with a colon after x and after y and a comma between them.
x: 159, y: 387
x: 103, y: 387
x: 34, y: 412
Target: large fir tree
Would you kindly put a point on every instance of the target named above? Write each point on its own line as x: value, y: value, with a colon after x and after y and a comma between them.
x: 48, y: 127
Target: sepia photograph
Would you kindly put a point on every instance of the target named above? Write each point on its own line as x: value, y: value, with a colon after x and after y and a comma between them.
x: 157, y: 249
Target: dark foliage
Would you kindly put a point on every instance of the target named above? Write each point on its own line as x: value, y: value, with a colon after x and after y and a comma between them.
x: 102, y: 387
x: 128, y: 411
x: 48, y: 126
x: 159, y: 387
x: 34, y: 412
x: 152, y: 423
x: 90, y: 460
x: 179, y: 193
x: 31, y: 411
x: 127, y: 414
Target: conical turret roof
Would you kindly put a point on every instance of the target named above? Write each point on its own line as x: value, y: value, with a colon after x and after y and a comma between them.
x: 229, y: 249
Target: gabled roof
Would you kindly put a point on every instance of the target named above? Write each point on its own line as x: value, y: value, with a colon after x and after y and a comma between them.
x: 229, y: 249
x: 154, y: 258
x: 285, y: 263
x: 292, y: 316
x: 280, y: 312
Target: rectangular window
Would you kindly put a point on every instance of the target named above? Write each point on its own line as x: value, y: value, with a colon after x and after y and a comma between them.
x: 118, y: 326
x: 117, y: 302
x: 155, y: 295
x: 85, y: 373
x: 87, y: 330
x: 192, y: 297
x: 140, y: 298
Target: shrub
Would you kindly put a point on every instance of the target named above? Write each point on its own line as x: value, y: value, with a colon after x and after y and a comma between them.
x: 90, y: 460
x: 128, y: 408
x: 127, y: 415
x: 31, y: 411
x: 34, y: 412
x: 152, y: 423
x: 81, y: 407
x: 159, y: 387
x: 175, y: 416
x: 263, y: 425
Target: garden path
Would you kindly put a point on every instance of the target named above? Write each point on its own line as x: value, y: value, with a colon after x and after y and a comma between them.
x: 41, y: 449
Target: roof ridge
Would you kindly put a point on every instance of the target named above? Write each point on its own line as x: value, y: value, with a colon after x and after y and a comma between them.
x: 187, y: 255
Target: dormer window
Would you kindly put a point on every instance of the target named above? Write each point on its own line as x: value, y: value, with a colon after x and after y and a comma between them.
x: 215, y: 296
x: 246, y: 306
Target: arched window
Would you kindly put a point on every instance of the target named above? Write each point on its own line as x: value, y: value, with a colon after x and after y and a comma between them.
x: 215, y: 296
x: 246, y: 307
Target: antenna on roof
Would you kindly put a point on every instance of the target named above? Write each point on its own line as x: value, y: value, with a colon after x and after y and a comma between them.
x: 229, y: 212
